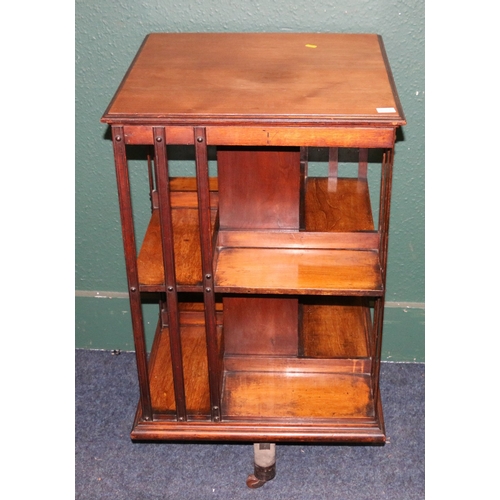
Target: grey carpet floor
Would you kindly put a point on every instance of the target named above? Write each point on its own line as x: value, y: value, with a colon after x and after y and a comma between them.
x: 110, y: 466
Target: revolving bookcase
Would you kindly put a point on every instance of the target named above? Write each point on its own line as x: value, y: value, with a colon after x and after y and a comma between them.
x: 270, y: 278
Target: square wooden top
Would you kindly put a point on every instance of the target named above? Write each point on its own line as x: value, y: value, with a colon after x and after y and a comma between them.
x: 258, y: 78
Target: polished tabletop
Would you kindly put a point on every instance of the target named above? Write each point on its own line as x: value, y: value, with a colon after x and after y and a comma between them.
x: 258, y: 77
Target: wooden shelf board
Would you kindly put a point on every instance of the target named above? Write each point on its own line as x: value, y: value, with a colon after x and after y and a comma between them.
x: 293, y: 271
x: 189, y: 183
x: 296, y: 395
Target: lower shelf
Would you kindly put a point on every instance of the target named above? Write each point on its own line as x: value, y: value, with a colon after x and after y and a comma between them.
x: 283, y: 398
x: 298, y: 396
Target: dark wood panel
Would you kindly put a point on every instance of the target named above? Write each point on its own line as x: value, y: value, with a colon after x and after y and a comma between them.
x: 261, y: 325
x: 259, y: 188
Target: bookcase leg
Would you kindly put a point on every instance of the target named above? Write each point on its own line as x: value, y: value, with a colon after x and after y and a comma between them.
x: 264, y: 464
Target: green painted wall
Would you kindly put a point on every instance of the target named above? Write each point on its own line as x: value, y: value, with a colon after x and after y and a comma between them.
x: 108, y: 34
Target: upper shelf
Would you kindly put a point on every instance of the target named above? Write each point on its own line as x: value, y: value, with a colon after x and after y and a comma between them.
x: 337, y: 252
x: 258, y: 78
x: 341, y: 209
x: 294, y: 271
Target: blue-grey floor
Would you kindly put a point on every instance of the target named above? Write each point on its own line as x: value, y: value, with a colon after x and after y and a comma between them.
x: 110, y: 466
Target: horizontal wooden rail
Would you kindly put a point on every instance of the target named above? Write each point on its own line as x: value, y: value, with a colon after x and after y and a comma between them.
x: 143, y: 134
x: 362, y: 137
x: 295, y: 365
x: 299, y: 239
x: 348, y: 137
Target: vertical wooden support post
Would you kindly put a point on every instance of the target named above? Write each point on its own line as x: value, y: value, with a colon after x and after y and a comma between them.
x: 128, y: 235
x: 203, y: 187
x: 304, y: 164
x: 385, y: 206
x: 167, y: 236
x: 363, y: 164
x: 378, y: 324
x: 383, y: 227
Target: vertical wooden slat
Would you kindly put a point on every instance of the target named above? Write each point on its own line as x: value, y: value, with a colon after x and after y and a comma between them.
x: 333, y: 168
x: 363, y: 163
x: 378, y: 324
x: 153, y: 194
x: 333, y: 163
x: 304, y: 157
x: 167, y: 236
x: 304, y: 161
x: 203, y: 187
x: 127, y: 223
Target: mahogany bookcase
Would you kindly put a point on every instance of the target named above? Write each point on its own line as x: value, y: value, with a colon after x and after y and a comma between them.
x: 270, y: 281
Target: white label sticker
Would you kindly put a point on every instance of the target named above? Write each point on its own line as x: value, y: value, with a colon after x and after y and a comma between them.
x: 386, y: 110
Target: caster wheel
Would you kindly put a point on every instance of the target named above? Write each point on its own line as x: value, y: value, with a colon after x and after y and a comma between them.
x: 253, y: 482
x: 261, y: 476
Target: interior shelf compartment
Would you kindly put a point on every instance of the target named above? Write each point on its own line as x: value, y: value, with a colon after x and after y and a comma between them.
x: 187, y: 250
x: 325, y: 393
x: 195, y: 365
x: 330, y: 205
x: 336, y: 254
x: 335, y: 327
x: 337, y: 204
x: 330, y: 377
